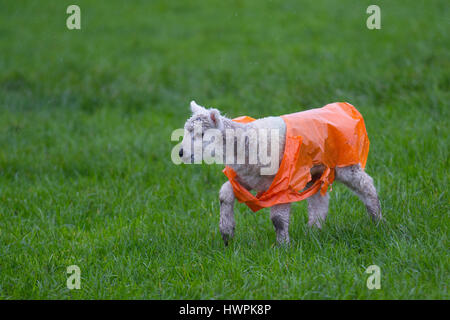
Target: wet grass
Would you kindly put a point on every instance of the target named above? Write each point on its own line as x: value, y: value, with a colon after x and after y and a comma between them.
x: 85, y: 170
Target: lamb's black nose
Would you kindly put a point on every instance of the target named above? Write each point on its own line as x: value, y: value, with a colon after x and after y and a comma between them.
x: 181, y: 152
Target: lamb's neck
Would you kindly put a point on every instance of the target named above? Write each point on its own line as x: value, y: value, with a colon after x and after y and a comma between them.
x: 230, y: 124
x: 238, y: 129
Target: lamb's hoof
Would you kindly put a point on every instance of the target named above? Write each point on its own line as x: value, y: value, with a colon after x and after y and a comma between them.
x: 316, y: 224
x: 226, y: 238
x: 283, y: 243
x: 378, y: 220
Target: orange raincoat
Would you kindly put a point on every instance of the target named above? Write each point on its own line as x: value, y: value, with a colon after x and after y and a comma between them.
x: 332, y: 136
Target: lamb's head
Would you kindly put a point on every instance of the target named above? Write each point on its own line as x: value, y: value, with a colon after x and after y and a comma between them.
x: 198, y: 130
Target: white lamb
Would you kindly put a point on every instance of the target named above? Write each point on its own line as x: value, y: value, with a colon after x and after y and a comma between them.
x: 249, y: 175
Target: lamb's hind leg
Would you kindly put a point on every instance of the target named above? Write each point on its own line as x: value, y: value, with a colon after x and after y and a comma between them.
x: 279, y: 214
x: 317, y: 209
x: 227, y: 222
x: 361, y: 184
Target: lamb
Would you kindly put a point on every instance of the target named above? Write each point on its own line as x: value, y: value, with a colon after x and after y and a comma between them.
x: 249, y: 177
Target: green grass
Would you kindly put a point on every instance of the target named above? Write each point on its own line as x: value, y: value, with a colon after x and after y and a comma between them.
x: 85, y: 170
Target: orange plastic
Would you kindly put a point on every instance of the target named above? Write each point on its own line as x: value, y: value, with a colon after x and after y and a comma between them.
x: 333, y: 136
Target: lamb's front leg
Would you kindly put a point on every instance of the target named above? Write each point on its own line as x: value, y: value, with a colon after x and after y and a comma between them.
x: 279, y: 214
x: 227, y: 223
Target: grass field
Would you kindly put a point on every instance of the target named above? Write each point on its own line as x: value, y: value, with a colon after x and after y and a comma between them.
x: 85, y: 170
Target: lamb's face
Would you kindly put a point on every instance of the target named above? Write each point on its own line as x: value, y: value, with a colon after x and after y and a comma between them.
x: 197, y: 132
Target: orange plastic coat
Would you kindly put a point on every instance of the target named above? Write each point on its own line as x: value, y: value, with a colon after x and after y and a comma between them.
x: 333, y: 136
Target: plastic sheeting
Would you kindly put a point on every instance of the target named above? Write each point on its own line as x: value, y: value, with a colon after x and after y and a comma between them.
x: 333, y: 136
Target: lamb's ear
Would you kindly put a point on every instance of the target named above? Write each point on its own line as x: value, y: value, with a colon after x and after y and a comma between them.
x: 195, y: 108
x: 216, y: 119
